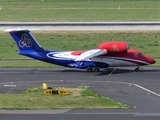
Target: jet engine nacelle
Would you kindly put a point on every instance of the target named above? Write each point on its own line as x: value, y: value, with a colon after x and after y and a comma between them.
x: 115, y: 47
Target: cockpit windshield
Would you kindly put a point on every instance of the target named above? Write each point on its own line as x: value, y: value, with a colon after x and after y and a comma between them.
x: 138, y: 54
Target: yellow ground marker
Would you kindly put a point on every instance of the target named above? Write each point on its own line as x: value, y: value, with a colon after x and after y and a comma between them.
x: 45, y: 86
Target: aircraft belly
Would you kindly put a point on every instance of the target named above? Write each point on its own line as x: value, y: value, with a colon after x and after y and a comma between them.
x: 113, y: 62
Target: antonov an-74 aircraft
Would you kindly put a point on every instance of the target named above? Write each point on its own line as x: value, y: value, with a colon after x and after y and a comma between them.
x: 108, y: 54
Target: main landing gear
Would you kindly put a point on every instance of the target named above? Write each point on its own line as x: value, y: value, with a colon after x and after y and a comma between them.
x: 93, y: 69
x: 137, y: 69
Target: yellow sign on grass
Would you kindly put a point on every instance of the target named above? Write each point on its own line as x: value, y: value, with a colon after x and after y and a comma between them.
x: 45, y: 86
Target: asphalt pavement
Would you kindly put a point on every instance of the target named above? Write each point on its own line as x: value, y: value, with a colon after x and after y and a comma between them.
x: 140, y: 90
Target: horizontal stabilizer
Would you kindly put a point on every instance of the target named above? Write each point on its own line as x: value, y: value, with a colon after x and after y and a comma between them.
x: 91, y: 53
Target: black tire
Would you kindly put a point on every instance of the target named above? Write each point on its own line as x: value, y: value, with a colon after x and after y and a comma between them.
x: 89, y: 69
x: 96, y: 69
x: 137, y: 69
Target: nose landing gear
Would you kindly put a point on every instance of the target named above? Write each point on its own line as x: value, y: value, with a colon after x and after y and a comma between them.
x: 137, y: 69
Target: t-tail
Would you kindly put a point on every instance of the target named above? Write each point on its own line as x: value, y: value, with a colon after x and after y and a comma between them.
x: 26, y: 43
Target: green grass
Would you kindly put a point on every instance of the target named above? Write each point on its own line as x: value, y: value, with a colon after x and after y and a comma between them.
x: 79, y: 10
x: 33, y: 98
x: 156, y: 64
x: 146, y: 41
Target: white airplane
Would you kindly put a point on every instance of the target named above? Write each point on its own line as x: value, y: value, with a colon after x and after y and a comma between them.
x: 109, y: 54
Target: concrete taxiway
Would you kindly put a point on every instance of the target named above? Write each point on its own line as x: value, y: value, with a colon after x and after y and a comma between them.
x: 140, y: 90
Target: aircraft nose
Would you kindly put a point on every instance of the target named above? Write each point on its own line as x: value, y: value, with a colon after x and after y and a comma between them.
x: 151, y: 60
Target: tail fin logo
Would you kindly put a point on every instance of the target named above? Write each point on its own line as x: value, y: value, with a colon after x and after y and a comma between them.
x: 25, y: 41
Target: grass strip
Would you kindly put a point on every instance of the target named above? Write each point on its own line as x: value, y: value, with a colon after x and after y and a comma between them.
x: 156, y: 64
x: 79, y: 98
x: 79, y: 10
x: 145, y: 41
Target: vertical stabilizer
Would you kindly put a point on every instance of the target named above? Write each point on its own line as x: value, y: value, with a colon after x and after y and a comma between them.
x: 25, y: 40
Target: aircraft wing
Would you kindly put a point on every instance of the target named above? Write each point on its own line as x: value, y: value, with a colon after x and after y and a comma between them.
x: 91, y: 53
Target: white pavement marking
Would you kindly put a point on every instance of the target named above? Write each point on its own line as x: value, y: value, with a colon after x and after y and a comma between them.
x: 143, y: 88
x: 148, y: 114
x: 9, y: 85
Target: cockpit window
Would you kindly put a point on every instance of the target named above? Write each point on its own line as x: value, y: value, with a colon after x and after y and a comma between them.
x: 142, y: 54
x: 138, y: 54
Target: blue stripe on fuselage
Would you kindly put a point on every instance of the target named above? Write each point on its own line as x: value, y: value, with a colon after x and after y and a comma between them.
x: 58, y: 60
x: 48, y: 56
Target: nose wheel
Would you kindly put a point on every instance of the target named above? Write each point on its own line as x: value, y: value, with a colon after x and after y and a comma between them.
x: 137, y: 69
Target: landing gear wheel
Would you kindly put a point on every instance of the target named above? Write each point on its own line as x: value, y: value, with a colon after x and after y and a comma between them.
x: 137, y: 69
x: 89, y: 69
x: 96, y: 69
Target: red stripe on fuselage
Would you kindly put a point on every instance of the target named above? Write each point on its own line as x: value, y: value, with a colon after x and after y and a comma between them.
x: 135, y: 61
x: 128, y: 57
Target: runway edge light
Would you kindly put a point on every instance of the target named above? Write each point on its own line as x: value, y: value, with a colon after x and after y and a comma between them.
x: 45, y: 86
